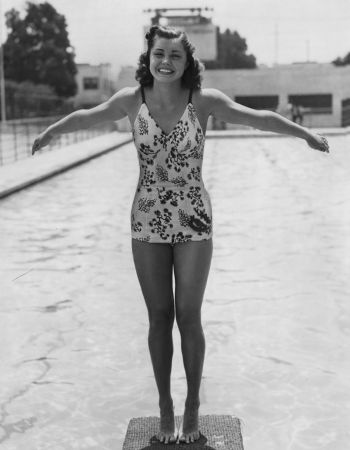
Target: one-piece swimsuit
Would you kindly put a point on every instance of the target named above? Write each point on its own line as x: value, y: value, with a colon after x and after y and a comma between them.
x: 171, y: 203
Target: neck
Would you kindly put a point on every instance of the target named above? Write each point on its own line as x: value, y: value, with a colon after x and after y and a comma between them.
x: 167, y: 93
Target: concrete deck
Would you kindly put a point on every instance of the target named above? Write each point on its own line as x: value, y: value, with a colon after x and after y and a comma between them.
x: 45, y: 164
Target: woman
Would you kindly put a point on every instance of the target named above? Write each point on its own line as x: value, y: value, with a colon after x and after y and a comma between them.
x: 171, y: 217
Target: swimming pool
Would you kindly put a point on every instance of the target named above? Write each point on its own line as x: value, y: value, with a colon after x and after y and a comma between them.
x: 75, y: 362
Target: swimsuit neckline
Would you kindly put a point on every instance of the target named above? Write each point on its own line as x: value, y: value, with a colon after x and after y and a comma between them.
x: 167, y: 135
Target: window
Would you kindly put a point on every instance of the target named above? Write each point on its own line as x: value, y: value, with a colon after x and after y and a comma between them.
x: 313, y: 103
x: 90, y: 83
x: 259, y: 101
x: 345, y: 112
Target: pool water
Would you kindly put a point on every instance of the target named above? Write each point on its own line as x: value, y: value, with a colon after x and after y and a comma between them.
x: 73, y: 323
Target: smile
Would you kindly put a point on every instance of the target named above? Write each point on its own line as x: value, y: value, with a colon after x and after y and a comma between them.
x: 166, y: 71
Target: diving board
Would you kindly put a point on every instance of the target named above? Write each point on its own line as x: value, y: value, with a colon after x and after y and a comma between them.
x: 217, y: 432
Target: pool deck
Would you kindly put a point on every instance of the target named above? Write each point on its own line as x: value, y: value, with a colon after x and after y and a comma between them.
x: 45, y: 164
x: 19, y: 175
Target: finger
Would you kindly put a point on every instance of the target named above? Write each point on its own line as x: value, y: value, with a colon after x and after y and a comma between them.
x: 324, y: 140
x: 36, y: 146
x: 325, y: 147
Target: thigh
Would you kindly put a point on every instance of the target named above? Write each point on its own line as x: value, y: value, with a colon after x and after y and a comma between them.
x: 154, y: 268
x: 191, y: 267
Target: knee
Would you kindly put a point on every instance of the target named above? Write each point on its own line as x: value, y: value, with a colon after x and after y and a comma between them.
x: 189, y: 321
x: 161, y: 321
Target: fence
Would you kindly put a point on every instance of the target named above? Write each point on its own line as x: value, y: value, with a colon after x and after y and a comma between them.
x: 17, y: 136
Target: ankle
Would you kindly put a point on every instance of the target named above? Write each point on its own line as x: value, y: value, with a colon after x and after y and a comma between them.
x: 192, y: 403
x: 166, y: 404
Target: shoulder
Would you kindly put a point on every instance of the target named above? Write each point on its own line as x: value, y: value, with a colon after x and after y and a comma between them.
x: 222, y: 107
x: 209, y: 98
x: 127, y: 97
x: 211, y: 94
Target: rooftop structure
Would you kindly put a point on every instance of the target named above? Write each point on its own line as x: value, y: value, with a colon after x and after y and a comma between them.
x: 196, y: 22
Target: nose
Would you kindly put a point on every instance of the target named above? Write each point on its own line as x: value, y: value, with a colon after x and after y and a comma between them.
x: 165, y: 59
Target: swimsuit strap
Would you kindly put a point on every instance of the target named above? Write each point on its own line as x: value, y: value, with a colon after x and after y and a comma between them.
x: 143, y: 95
x: 190, y: 97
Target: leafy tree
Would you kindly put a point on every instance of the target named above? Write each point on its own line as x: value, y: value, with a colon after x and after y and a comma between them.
x: 342, y: 61
x: 231, y: 50
x: 37, y: 49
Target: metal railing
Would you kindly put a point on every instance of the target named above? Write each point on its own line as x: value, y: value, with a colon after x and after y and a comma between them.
x: 17, y: 137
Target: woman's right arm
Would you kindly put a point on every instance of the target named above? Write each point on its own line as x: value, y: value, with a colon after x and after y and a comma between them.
x: 113, y: 109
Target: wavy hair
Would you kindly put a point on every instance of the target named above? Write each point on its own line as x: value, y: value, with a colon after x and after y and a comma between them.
x: 191, y: 78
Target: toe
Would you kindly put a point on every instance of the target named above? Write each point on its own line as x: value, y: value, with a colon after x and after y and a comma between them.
x: 189, y: 438
x: 168, y: 438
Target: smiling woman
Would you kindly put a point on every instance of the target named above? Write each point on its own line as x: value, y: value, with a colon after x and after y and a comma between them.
x: 168, y: 49
x: 171, y: 215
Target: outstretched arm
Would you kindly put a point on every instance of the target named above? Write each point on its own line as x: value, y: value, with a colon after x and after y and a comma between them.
x: 113, y: 109
x: 223, y: 108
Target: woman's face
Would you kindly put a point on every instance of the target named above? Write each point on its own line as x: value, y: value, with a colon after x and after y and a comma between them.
x: 168, y: 59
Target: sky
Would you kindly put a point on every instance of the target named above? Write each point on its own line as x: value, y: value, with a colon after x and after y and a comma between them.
x: 276, y: 31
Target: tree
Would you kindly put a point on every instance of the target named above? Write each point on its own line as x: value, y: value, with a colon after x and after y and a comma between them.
x: 37, y: 49
x: 232, y: 50
x: 342, y: 61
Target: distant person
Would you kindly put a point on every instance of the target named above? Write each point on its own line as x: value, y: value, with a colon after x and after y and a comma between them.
x: 171, y: 215
x: 297, y: 113
x: 289, y: 111
x: 294, y: 112
x: 300, y: 115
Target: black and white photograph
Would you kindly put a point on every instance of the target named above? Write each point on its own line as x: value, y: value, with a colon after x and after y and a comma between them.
x: 174, y: 224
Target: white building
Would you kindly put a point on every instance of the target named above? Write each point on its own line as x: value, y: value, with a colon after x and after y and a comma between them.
x: 95, y: 85
x: 322, y: 90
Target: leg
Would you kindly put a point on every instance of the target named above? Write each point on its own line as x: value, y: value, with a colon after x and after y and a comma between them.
x: 154, y: 266
x: 191, y: 265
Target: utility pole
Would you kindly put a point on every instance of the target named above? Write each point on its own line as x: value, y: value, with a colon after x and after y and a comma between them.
x: 2, y: 74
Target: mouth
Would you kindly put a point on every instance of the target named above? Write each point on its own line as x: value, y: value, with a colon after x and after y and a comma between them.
x: 166, y: 71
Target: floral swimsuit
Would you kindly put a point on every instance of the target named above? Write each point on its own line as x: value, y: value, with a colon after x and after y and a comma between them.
x: 171, y: 203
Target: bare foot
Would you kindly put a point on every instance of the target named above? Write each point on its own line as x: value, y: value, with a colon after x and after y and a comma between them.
x: 189, y: 428
x: 167, y: 425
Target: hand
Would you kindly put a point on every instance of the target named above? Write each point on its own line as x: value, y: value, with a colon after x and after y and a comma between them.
x: 41, y: 141
x: 318, y: 142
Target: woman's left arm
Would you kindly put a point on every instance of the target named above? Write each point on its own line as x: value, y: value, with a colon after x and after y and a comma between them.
x: 223, y: 108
